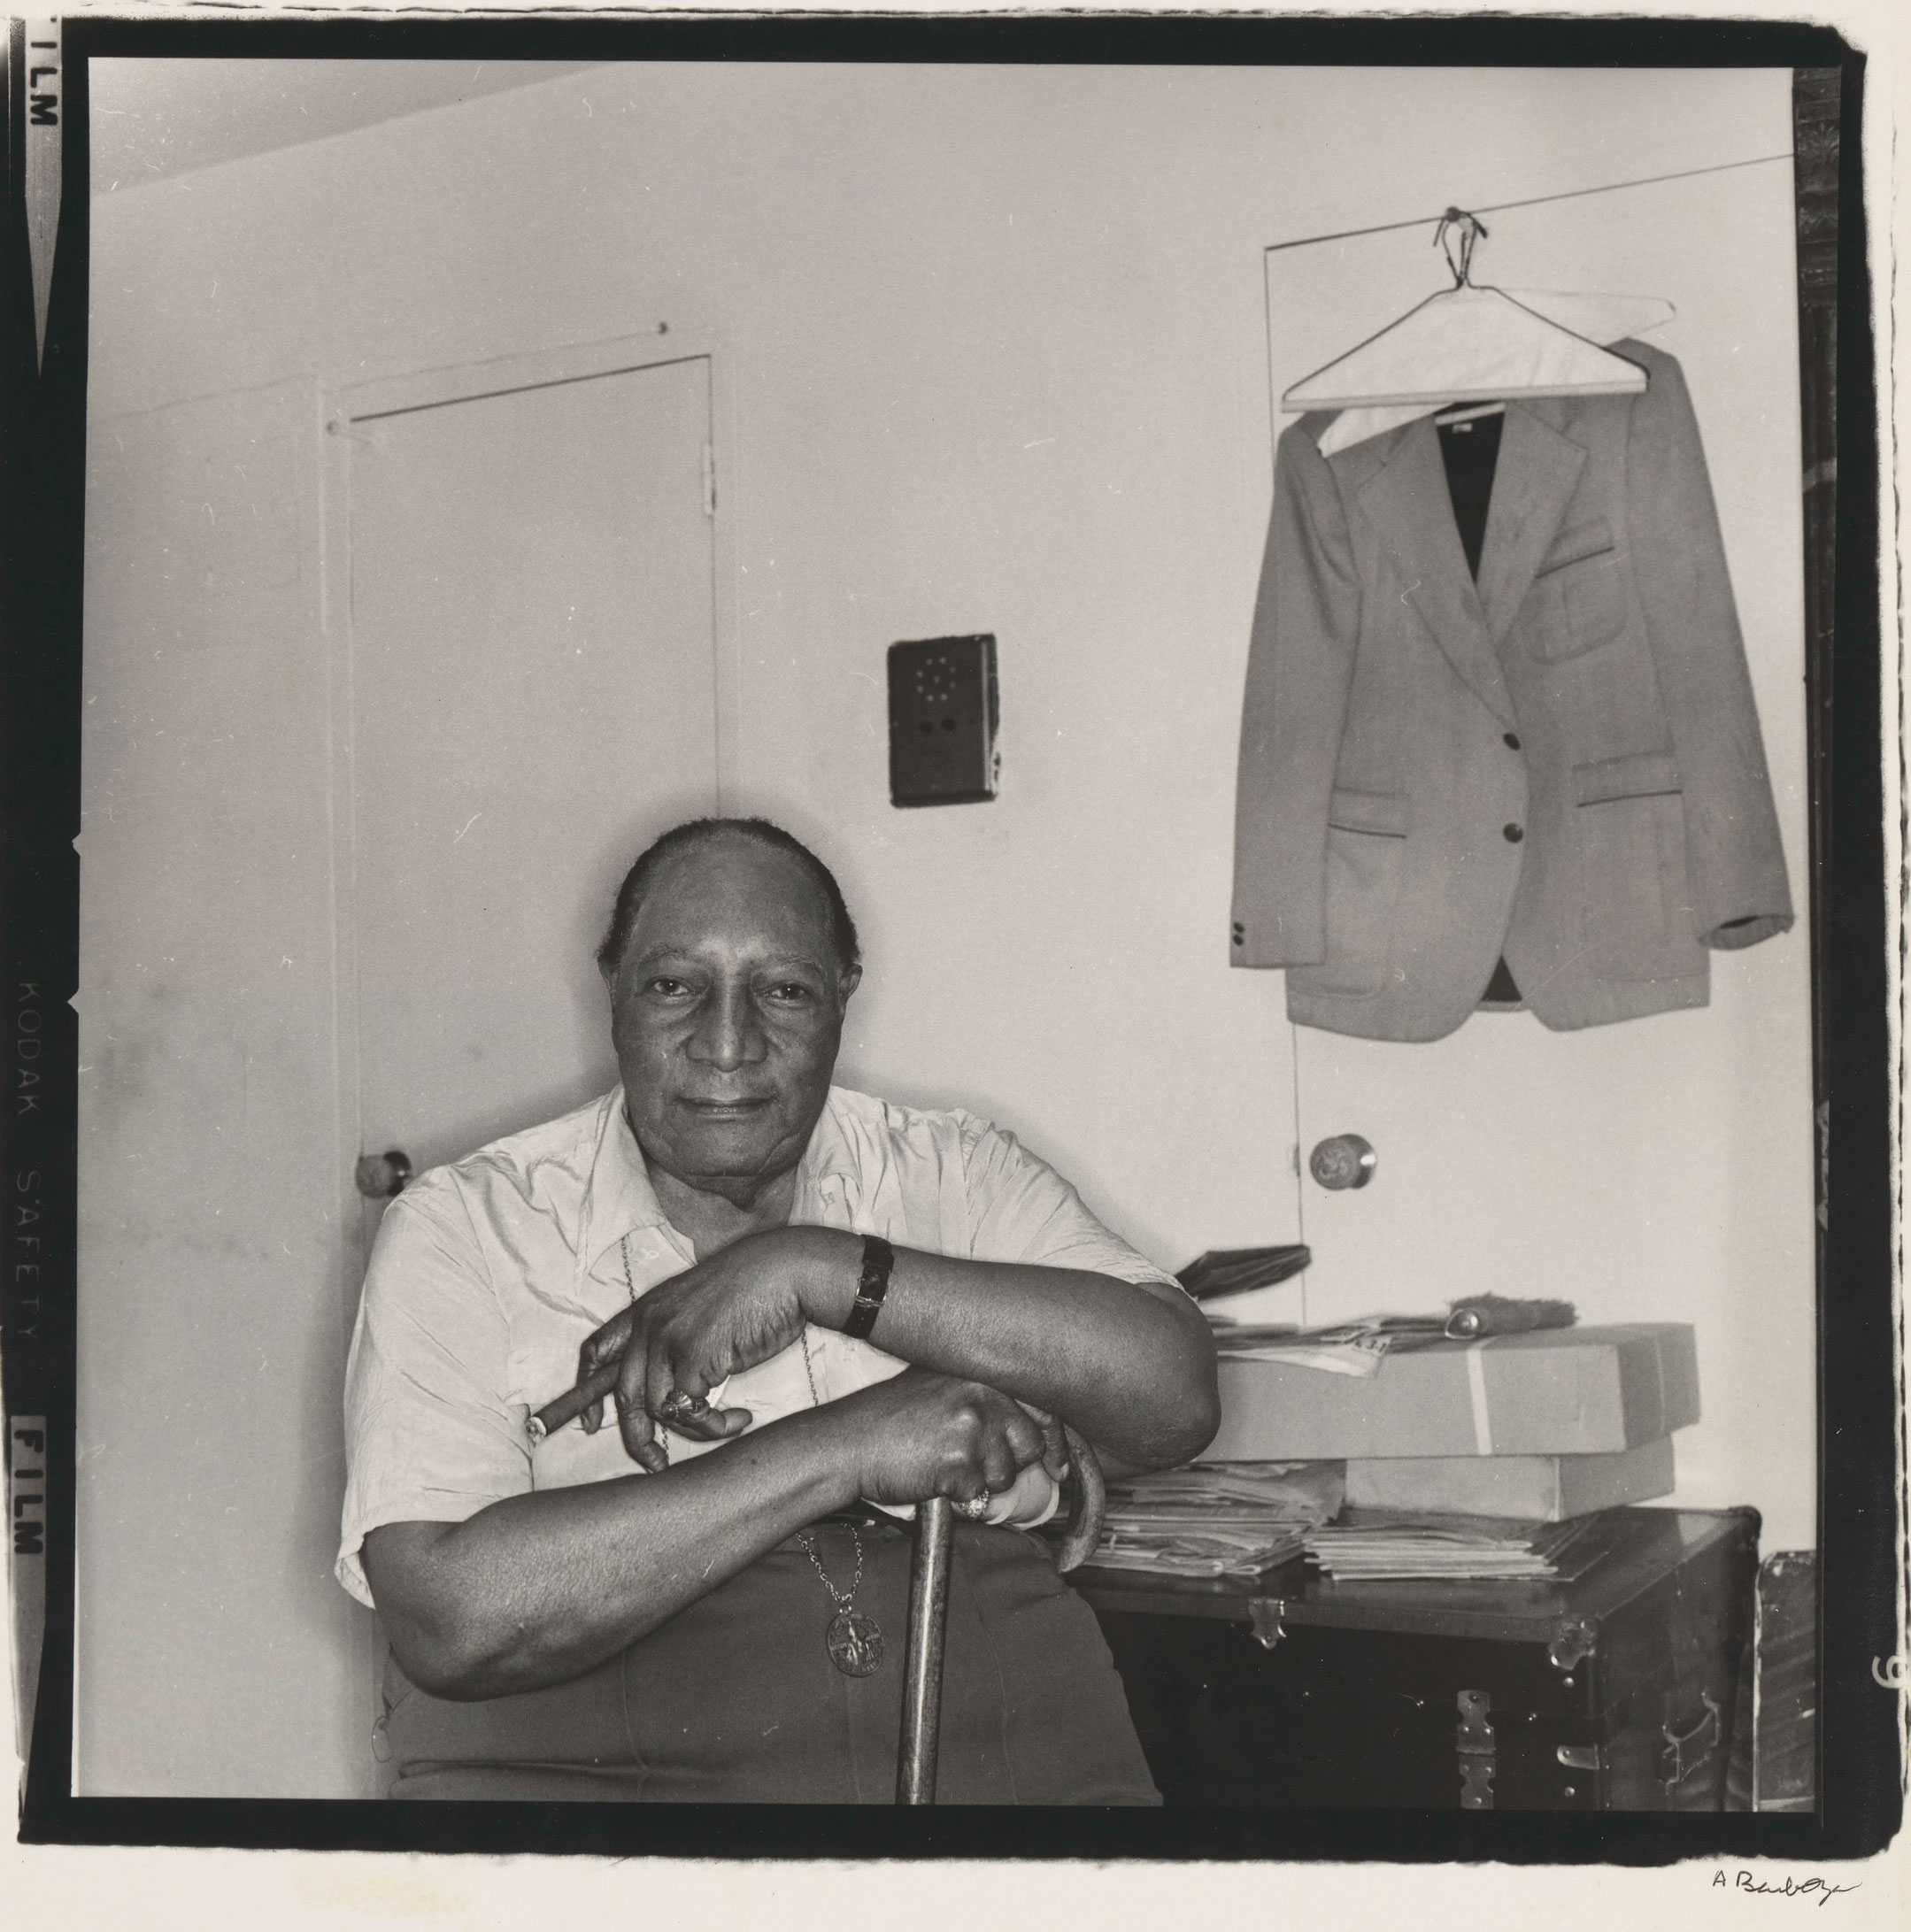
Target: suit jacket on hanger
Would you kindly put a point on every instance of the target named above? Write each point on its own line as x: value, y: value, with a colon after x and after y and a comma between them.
x: 1561, y: 764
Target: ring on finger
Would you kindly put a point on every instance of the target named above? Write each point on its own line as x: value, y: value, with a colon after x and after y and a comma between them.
x: 975, y: 1507
x: 677, y: 1406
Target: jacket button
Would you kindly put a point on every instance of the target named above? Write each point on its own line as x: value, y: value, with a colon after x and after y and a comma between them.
x: 1240, y: 935
x: 1512, y: 741
x: 1515, y: 834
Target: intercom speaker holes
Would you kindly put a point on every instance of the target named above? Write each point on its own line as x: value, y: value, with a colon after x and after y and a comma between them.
x: 944, y: 712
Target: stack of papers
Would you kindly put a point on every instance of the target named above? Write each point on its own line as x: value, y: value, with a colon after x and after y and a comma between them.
x: 1368, y: 1544
x: 1217, y: 1519
x: 1351, y: 1348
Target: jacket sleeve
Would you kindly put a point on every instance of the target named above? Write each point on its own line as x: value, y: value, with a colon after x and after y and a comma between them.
x: 1734, y: 861
x: 1299, y: 667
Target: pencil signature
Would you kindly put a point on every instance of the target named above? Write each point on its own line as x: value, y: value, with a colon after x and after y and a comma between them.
x: 1822, y: 1889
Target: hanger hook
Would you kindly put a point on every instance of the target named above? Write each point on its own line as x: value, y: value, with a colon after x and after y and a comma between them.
x: 1472, y: 231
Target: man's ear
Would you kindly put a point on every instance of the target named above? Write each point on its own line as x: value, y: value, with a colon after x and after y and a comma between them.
x: 846, y: 985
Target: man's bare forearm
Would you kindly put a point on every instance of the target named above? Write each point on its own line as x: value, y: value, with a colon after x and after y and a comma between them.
x: 538, y: 1589
x: 1130, y: 1365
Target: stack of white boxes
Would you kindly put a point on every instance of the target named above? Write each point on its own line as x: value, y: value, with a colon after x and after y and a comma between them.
x: 1541, y: 1426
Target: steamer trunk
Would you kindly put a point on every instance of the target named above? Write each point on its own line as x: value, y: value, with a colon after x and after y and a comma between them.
x: 1612, y: 1692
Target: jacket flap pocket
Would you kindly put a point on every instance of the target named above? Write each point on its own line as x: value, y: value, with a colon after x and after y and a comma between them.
x: 1575, y: 546
x: 1640, y: 775
x: 1383, y: 814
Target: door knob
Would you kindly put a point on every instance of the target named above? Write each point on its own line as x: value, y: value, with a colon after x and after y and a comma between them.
x: 1342, y: 1160
x: 382, y: 1177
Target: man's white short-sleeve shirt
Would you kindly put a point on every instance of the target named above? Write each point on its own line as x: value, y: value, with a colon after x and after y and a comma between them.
x: 488, y: 1275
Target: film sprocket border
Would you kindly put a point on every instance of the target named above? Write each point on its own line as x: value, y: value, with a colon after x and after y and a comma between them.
x: 42, y: 434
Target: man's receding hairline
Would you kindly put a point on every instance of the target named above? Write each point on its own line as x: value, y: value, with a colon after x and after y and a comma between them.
x: 692, y: 836
x: 736, y: 833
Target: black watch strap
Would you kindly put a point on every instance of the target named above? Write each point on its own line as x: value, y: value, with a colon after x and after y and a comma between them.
x: 878, y: 1258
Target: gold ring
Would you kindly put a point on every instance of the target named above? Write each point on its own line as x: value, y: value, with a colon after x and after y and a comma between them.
x: 679, y: 1407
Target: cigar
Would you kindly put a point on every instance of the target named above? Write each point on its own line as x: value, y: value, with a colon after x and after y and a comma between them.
x: 571, y: 1404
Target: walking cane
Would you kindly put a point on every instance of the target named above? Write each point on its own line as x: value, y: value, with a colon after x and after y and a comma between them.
x: 928, y: 1579
x: 923, y: 1653
x: 929, y: 1613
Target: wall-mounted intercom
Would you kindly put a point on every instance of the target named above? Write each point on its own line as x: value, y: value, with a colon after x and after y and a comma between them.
x: 944, y: 713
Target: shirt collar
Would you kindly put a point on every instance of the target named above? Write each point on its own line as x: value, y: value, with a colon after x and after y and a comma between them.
x: 829, y: 1152
x: 619, y: 1198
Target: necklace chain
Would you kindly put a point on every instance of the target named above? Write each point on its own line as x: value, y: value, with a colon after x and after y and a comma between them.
x: 854, y: 1640
x: 630, y: 1288
x: 841, y: 1598
x: 809, y: 1370
x: 859, y: 1656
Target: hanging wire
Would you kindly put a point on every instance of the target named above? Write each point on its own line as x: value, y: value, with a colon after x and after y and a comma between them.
x: 1532, y: 201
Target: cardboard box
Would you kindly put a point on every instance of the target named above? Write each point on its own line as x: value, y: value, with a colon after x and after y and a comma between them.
x: 1555, y: 1392
x: 1534, y: 1489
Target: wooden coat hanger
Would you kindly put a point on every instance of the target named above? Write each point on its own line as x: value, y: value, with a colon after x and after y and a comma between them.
x: 1475, y: 343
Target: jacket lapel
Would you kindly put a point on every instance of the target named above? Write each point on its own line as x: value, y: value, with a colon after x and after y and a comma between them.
x: 1536, y: 474
x: 1409, y: 504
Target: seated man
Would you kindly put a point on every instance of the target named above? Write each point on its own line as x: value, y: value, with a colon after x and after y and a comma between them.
x: 700, y: 1604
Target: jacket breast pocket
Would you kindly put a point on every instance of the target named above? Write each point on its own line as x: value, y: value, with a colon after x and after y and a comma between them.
x: 1636, y: 901
x: 1366, y: 859
x: 1579, y: 595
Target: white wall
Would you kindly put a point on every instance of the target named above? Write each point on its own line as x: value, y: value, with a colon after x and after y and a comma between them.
x: 211, y: 1657
x: 992, y: 345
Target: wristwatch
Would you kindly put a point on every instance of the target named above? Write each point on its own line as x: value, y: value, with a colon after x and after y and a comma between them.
x: 878, y: 1258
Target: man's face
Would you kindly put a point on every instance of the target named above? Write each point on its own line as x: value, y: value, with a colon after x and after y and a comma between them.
x: 726, y: 1013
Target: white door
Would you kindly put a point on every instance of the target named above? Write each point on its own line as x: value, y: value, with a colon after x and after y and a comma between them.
x: 333, y: 899
x: 1659, y: 1168
x: 532, y: 697
x: 529, y: 696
